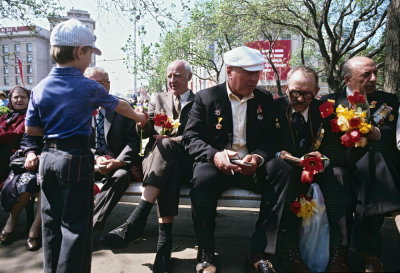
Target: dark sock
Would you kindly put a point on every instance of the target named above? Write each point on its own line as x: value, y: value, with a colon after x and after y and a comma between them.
x: 164, y: 244
x: 138, y: 217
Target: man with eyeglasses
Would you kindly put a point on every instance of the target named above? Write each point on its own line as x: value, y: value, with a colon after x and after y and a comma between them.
x: 299, y: 132
x: 116, y: 149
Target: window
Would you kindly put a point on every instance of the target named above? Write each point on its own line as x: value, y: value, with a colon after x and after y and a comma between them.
x: 30, y: 80
x: 29, y: 47
x: 5, y: 48
x: 17, y: 48
x: 6, y: 59
x: 17, y: 80
x: 17, y: 71
x: 16, y: 59
x: 6, y: 81
x: 29, y: 69
x: 5, y: 69
x: 29, y: 58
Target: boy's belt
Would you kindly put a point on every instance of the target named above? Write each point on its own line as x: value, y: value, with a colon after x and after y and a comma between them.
x: 69, y: 142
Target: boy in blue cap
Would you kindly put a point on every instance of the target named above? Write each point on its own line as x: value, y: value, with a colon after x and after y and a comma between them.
x: 61, y: 109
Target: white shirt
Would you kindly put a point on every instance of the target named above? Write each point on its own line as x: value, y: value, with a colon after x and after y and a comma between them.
x: 239, y: 120
x: 183, y: 98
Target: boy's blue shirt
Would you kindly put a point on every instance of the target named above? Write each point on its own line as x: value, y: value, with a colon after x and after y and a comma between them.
x: 63, y: 103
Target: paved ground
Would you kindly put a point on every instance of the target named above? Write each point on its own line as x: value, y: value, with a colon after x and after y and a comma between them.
x: 232, y: 237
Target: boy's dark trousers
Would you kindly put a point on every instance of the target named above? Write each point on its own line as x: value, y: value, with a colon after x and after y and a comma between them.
x: 66, y: 174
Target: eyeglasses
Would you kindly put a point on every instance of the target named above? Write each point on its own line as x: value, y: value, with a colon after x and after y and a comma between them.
x: 306, y: 94
x: 103, y: 82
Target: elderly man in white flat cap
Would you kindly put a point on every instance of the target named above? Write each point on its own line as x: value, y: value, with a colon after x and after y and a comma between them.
x: 230, y: 136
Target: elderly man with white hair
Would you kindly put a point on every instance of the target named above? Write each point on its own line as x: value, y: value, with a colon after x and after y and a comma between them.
x: 230, y: 136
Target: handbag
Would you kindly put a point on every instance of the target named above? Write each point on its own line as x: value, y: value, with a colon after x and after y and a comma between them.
x: 17, y: 161
x: 314, y: 234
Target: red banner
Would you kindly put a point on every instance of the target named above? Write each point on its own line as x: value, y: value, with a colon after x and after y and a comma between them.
x: 279, y: 55
x: 21, y: 72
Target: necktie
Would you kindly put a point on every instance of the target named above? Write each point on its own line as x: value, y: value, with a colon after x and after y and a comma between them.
x: 177, y: 106
x: 101, y: 145
x: 299, y: 126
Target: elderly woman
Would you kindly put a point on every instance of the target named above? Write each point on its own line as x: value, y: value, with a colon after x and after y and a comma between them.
x: 12, y: 127
x: 21, y: 185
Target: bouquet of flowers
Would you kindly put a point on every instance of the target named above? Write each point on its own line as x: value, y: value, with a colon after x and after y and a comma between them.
x: 312, y: 164
x: 353, y: 120
x: 167, y: 124
x: 304, y: 206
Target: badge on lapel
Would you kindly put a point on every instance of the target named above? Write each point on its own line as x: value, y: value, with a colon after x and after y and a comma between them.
x: 373, y: 104
x: 277, y: 124
x: 383, y: 112
x: 219, y: 125
x: 260, y: 115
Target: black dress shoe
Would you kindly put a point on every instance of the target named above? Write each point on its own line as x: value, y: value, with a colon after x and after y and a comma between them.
x: 338, y: 260
x: 121, y: 236
x: 162, y: 263
x: 5, y: 237
x: 205, y: 261
x: 261, y: 263
x: 33, y: 244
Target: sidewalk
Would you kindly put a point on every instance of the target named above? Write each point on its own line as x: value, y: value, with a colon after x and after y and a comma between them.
x: 234, y: 227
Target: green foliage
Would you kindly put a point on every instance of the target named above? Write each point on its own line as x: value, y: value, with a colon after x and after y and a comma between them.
x: 4, y: 110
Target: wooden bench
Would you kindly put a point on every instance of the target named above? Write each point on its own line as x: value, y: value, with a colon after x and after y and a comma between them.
x: 230, y: 198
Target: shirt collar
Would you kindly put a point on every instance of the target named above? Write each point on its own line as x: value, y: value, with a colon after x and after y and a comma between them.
x: 304, y: 113
x: 185, y: 96
x: 232, y: 96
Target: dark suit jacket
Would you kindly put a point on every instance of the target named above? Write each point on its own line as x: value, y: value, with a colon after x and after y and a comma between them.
x: 285, y: 136
x: 163, y: 103
x: 377, y: 166
x: 121, y: 137
x: 202, y: 139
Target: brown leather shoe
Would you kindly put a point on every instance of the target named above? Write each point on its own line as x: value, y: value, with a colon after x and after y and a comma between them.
x: 338, y: 260
x: 205, y: 261
x: 5, y: 237
x: 33, y: 244
x: 261, y: 263
x: 293, y: 262
x: 371, y: 263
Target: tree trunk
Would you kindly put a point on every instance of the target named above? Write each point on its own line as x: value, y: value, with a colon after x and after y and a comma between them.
x: 392, y: 50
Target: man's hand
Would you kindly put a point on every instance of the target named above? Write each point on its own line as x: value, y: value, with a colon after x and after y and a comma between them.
x: 253, y: 160
x: 108, y: 164
x: 289, y: 157
x: 221, y: 161
x: 31, y: 161
x: 374, y: 134
x: 141, y: 118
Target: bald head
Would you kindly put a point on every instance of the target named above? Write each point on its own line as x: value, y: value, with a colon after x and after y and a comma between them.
x: 179, y: 74
x: 360, y: 73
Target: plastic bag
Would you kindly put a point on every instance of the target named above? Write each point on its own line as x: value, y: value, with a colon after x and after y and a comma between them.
x: 314, y: 234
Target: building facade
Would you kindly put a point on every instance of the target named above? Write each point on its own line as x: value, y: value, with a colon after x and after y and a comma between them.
x: 31, y: 46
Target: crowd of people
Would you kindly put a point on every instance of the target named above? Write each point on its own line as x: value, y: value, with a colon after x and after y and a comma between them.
x: 71, y: 132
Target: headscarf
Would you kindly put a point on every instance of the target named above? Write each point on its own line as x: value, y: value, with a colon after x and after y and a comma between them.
x: 9, y: 105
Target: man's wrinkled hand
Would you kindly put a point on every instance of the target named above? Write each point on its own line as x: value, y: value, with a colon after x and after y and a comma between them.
x: 221, y: 161
x: 252, y: 168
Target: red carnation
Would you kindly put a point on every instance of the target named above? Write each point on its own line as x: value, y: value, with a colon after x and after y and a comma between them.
x: 347, y: 140
x: 160, y: 119
x: 312, y: 164
x: 356, y: 98
x: 326, y: 109
x: 295, y: 207
x: 167, y: 125
x: 307, y: 177
x: 354, y: 122
x: 334, y: 126
x: 355, y: 135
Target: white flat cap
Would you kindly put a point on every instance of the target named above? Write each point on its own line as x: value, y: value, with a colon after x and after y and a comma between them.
x: 73, y: 33
x: 245, y: 57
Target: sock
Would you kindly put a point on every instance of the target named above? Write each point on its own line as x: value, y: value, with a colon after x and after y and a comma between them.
x: 138, y: 218
x: 164, y: 244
